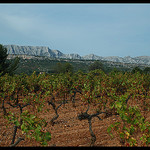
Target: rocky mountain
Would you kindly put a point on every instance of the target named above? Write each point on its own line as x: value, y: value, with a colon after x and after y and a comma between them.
x: 127, y: 59
x: 57, y: 54
x: 46, y: 51
x: 38, y: 51
x: 92, y: 57
x: 30, y: 50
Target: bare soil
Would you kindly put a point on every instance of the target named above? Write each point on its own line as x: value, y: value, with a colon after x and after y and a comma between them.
x: 68, y: 130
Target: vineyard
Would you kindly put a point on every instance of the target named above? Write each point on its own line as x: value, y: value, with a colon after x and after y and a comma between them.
x: 75, y: 109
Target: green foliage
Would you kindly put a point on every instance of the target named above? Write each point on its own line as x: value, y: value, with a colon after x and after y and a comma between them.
x: 3, y: 56
x: 32, y: 126
x: 96, y: 65
x: 68, y: 67
x: 13, y: 66
x: 146, y: 70
x: 111, y: 91
x: 5, y: 66
x: 136, y: 69
x: 132, y: 121
x: 63, y: 67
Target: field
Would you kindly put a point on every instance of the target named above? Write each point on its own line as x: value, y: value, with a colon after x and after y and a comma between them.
x: 79, y: 109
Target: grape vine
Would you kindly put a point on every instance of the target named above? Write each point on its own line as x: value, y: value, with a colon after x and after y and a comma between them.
x: 113, y: 94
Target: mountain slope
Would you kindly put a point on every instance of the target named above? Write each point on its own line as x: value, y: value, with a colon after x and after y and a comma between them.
x: 46, y: 51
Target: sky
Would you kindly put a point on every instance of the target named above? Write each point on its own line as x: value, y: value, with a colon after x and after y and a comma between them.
x: 103, y: 29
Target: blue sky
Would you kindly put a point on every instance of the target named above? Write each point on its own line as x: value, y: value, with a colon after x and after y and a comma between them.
x: 86, y: 28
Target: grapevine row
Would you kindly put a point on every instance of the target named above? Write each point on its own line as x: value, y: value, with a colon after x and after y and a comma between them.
x: 113, y: 93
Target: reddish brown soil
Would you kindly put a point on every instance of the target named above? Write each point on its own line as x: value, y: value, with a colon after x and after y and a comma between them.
x: 68, y: 130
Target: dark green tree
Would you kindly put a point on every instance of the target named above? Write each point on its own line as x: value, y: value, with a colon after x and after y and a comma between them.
x: 136, y: 69
x: 3, y: 57
x: 96, y: 65
x: 5, y: 66
x: 13, y: 66
x: 68, y: 67
x: 146, y: 70
x: 58, y: 68
x: 63, y: 67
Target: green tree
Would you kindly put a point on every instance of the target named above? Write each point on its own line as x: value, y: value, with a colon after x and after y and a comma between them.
x: 3, y: 56
x: 68, y: 67
x: 5, y: 66
x: 58, y: 68
x: 136, y: 69
x: 146, y: 70
x: 96, y: 65
x: 62, y: 68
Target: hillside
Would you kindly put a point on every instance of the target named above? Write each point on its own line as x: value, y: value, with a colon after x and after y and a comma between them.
x: 28, y: 64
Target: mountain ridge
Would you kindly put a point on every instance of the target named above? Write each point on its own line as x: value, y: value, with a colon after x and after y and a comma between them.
x: 46, y: 51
